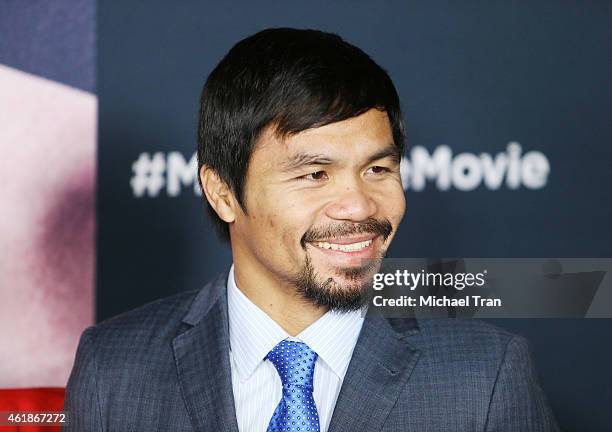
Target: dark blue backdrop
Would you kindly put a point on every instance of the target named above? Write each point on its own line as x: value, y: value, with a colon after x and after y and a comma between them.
x: 472, y: 75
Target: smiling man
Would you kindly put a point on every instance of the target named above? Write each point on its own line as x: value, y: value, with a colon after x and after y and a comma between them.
x: 300, y: 139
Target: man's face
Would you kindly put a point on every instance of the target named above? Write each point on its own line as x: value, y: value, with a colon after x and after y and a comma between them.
x: 319, y: 205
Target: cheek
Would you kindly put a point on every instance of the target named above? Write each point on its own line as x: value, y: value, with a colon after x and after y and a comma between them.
x: 393, y: 205
x: 260, y: 213
x: 401, y: 206
x: 287, y: 229
x: 272, y: 228
x: 280, y: 218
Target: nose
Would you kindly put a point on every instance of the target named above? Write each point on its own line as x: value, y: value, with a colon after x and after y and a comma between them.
x: 352, y: 202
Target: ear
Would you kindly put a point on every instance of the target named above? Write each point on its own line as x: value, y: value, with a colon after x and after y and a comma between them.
x: 218, y: 194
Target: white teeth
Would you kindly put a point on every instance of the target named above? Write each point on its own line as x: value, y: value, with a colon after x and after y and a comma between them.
x: 344, y: 247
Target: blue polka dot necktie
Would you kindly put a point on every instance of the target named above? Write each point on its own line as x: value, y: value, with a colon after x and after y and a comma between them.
x: 296, y: 411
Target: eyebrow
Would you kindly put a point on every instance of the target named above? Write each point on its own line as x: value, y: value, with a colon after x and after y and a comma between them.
x: 389, y: 151
x: 300, y: 160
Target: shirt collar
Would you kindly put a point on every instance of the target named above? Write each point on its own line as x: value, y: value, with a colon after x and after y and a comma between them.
x: 253, y: 334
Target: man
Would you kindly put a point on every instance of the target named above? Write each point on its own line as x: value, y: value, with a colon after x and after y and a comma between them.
x: 300, y: 139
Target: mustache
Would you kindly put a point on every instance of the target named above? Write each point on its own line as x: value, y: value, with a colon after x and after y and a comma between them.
x: 369, y: 226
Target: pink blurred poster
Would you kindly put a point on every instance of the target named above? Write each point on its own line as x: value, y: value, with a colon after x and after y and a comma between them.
x: 47, y: 201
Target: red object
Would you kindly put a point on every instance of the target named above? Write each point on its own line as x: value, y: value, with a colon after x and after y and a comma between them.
x: 31, y: 400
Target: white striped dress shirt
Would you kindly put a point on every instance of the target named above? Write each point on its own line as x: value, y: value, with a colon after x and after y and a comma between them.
x: 256, y: 384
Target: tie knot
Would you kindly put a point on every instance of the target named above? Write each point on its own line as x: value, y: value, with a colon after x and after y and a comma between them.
x: 294, y: 362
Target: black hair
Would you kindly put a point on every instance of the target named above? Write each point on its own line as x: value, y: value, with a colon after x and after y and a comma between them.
x: 292, y: 80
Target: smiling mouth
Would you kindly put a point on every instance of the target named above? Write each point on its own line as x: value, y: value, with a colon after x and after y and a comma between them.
x: 344, y: 247
x: 348, y: 244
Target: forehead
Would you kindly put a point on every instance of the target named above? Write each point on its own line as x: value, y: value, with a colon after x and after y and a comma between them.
x: 348, y: 139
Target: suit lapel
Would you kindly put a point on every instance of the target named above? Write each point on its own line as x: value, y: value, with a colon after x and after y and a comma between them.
x: 202, y: 360
x: 379, y: 369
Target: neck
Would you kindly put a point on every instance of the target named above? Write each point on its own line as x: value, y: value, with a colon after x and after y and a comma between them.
x: 278, y: 300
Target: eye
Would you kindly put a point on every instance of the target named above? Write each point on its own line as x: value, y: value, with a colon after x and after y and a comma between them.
x: 379, y: 169
x: 314, y: 176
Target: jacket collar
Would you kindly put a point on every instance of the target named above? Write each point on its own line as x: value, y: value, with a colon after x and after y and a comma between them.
x: 381, y: 364
x: 202, y: 360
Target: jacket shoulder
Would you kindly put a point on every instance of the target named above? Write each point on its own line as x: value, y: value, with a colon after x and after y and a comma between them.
x: 150, y: 321
x: 466, y: 339
x: 162, y: 317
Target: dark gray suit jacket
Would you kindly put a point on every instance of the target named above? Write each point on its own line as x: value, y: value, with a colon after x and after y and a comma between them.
x: 165, y: 367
